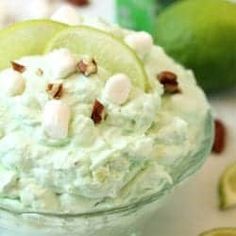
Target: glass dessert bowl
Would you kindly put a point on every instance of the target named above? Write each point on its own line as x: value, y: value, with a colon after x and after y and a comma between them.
x: 128, y: 220
x: 97, y: 128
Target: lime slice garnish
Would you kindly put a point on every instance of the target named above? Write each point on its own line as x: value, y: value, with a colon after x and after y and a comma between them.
x: 220, y: 232
x: 227, y: 188
x: 26, y: 38
x: 109, y: 52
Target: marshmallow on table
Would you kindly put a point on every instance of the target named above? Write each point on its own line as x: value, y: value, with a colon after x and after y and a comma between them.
x: 141, y: 42
x: 12, y: 82
x: 56, y: 119
x: 61, y: 63
x: 67, y: 14
x: 117, y: 89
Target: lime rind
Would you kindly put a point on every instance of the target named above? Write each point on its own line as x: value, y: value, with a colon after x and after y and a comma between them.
x: 26, y: 38
x: 220, y: 232
x: 226, y: 193
x: 110, y: 52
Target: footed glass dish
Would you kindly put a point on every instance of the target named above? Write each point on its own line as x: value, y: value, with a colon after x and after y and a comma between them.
x: 128, y: 220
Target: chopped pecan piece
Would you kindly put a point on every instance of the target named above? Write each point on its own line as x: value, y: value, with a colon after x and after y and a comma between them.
x: 55, y: 91
x: 98, y: 113
x: 18, y: 67
x: 169, y: 81
x: 80, y: 3
x: 87, y: 67
x: 220, y: 137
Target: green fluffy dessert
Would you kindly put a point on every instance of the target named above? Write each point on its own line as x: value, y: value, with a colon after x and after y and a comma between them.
x: 77, y: 136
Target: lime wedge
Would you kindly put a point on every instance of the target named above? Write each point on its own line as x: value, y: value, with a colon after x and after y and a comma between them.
x: 227, y: 188
x: 109, y: 52
x: 26, y: 38
x: 220, y: 232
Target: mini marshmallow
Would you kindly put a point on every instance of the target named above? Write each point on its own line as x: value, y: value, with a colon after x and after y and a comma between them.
x: 66, y: 14
x: 62, y: 63
x: 36, y: 9
x: 56, y: 119
x: 141, y: 42
x: 12, y: 82
x: 117, y: 89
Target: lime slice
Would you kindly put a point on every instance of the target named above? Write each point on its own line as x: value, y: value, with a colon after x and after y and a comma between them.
x: 220, y: 232
x: 227, y: 188
x: 26, y: 38
x: 108, y: 51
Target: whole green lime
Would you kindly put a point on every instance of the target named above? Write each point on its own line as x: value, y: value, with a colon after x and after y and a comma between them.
x: 201, y: 34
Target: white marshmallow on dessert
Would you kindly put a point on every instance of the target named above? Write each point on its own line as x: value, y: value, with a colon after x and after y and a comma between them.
x: 141, y: 42
x: 61, y: 63
x: 12, y: 82
x: 56, y: 119
x: 66, y: 14
x: 37, y: 9
x: 117, y: 89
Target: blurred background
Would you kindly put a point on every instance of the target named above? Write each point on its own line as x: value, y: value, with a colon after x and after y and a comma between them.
x: 201, y: 35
